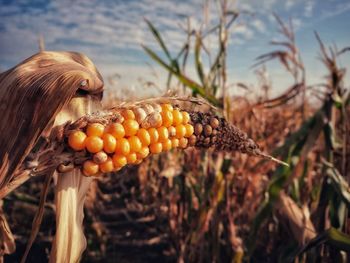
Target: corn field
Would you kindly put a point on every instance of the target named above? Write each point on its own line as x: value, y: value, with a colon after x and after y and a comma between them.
x: 216, y: 201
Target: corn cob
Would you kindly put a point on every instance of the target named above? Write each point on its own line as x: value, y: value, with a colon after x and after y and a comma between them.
x: 127, y: 135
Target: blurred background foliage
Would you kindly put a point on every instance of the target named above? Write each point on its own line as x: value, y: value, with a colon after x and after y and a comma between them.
x: 198, y: 206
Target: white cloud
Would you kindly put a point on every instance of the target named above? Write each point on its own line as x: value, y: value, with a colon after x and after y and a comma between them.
x: 309, y: 7
x: 259, y: 25
x: 289, y: 4
x: 338, y: 9
x: 243, y: 30
x: 297, y: 23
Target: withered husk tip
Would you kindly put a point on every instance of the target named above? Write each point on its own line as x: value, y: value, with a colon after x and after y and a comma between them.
x: 269, y: 157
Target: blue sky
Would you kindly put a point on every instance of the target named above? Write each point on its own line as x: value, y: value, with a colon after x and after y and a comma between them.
x: 110, y: 33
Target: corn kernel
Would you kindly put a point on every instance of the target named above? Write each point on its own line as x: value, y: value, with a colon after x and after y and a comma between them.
x: 123, y: 146
x: 100, y: 157
x: 180, y: 131
x: 144, y: 137
x: 177, y: 115
x: 157, y: 107
x: 119, y: 160
x: 167, y: 107
x: 135, y: 144
x: 167, y: 145
x: 153, y: 133
x: 163, y: 134
x: 76, y: 140
x: 107, y: 166
x: 189, y: 130
x: 131, y: 127
x: 131, y: 158
x: 172, y: 131
x: 140, y: 114
x: 174, y: 142
x: 183, y: 143
x: 167, y: 117
x: 95, y: 129
x: 90, y: 168
x: 143, y: 153
x: 109, y: 143
x: 185, y: 117
x: 116, y: 129
x: 94, y: 144
x: 128, y: 114
x: 156, y: 148
x: 155, y: 120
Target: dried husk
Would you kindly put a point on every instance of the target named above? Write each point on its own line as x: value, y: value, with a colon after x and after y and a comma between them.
x: 71, y: 189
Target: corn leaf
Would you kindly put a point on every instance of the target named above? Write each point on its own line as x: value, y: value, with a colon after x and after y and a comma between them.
x: 198, y: 62
x: 332, y: 237
x: 194, y: 86
x: 158, y: 38
x: 338, y: 239
x: 339, y: 184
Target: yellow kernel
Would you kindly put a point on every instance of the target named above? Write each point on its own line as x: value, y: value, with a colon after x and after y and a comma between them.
x: 119, y: 160
x: 183, y: 143
x: 156, y: 147
x: 128, y: 114
x: 116, y: 129
x: 144, y: 137
x: 94, y: 144
x: 76, y: 140
x: 95, y: 129
x: 180, y: 131
x: 177, y: 115
x: 143, y: 153
x: 167, y: 145
x: 109, y: 143
x: 123, y: 146
x: 185, y: 117
x: 167, y: 117
x: 131, y: 127
x: 107, y: 166
x: 174, y: 142
x: 189, y: 130
x: 167, y: 107
x: 131, y: 158
x: 163, y: 134
x: 135, y: 144
x: 153, y: 133
x: 90, y: 168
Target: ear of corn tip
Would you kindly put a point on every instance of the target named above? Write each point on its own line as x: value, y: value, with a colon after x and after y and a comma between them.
x: 151, y: 128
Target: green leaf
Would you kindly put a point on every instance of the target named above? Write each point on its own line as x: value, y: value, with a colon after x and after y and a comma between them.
x: 338, y: 102
x: 158, y: 38
x: 196, y: 88
x: 332, y: 237
x: 198, y: 62
x: 339, y: 184
x: 330, y: 137
x: 338, y: 239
